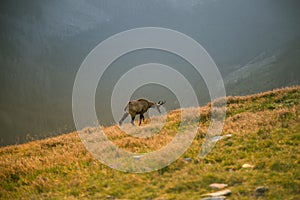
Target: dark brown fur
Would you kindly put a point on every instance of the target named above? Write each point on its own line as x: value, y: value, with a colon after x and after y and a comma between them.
x: 139, y: 107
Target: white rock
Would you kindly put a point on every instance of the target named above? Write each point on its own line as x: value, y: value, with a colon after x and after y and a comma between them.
x: 218, y: 185
x: 246, y: 165
x: 214, y: 198
x: 137, y: 157
x: 219, y: 193
x: 218, y: 137
x: 188, y: 159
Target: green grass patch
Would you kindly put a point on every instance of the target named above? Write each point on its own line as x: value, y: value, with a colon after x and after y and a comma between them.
x: 265, y: 132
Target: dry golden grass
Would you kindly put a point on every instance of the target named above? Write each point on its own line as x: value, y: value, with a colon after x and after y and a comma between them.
x: 263, y: 126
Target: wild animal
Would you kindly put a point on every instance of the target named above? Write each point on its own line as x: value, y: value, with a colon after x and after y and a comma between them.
x: 139, y: 107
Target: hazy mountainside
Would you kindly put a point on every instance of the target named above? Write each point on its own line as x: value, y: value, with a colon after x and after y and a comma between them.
x: 44, y: 43
x: 264, y: 134
x: 270, y: 69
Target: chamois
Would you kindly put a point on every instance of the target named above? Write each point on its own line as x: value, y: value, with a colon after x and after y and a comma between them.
x: 139, y: 106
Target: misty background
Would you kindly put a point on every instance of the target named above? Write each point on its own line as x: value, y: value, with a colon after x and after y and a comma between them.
x: 255, y: 44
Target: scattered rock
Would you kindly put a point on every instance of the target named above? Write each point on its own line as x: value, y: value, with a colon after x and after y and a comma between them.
x: 219, y: 193
x: 227, y: 135
x: 188, y: 159
x: 247, y: 166
x: 137, y: 157
x: 217, y: 138
x: 261, y: 190
x: 218, y: 185
x: 214, y: 198
x: 110, y: 197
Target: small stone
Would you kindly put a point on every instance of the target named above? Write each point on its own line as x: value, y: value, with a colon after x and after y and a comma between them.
x: 261, y: 190
x: 218, y: 137
x: 188, y: 159
x: 227, y: 135
x: 110, y: 197
x: 247, y: 166
x: 219, y: 193
x: 218, y: 185
x: 137, y: 157
x: 214, y: 198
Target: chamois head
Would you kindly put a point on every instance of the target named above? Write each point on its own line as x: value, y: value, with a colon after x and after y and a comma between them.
x: 158, y: 104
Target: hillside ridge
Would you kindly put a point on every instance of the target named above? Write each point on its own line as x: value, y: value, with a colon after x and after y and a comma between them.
x: 265, y: 133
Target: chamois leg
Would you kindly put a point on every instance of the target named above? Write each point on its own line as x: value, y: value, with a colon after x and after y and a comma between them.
x: 141, y: 118
x: 123, y: 118
x: 132, y: 120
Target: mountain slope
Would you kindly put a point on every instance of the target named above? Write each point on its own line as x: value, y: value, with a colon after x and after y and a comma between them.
x: 270, y: 69
x: 265, y: 133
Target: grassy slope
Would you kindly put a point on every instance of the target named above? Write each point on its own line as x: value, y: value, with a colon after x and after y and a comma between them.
x: 266, y: 133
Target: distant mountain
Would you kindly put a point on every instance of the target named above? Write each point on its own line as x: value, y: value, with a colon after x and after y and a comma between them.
x: 270, y: 69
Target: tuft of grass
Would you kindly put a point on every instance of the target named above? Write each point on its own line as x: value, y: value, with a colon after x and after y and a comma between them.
x: 265, y: 132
